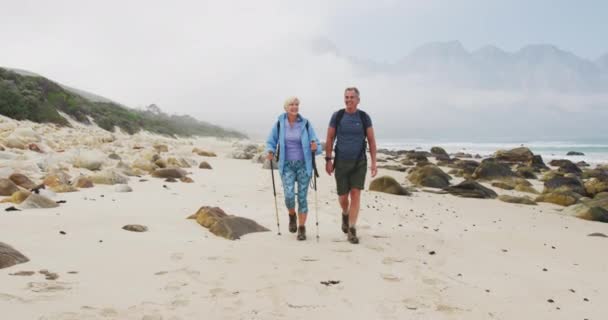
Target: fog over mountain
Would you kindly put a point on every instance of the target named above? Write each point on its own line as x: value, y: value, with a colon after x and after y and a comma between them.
x: 233, y: 63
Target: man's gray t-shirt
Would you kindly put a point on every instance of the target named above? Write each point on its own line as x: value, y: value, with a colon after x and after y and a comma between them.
x: 350, y: 135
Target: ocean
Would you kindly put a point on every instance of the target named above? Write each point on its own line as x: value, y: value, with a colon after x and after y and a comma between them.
x: 595, y: 153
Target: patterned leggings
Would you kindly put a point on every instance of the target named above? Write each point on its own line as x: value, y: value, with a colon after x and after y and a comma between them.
x: 295, y: 171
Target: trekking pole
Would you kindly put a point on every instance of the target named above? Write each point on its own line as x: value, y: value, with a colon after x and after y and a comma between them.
x: 274, y: 191
x: 316, y: 174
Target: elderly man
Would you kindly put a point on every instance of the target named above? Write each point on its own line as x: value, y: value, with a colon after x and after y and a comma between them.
x: 351, y: 128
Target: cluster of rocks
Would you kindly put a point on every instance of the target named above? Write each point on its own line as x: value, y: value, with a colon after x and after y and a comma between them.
x: 40, y: 160
x: 575, y: 186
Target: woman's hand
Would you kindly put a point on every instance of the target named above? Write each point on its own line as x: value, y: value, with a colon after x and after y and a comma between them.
x: 313, y: 146
x: 270, y: 156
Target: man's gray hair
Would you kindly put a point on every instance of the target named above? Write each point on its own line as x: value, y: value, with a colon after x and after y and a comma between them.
x: 352, y: 89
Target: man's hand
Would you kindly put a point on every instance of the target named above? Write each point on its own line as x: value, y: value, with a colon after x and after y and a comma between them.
x: 270, y: 156
x: 374, y: 170
x: 329, y: 167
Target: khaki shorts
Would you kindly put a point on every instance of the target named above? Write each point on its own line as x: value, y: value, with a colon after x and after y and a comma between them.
x: 350, y: 174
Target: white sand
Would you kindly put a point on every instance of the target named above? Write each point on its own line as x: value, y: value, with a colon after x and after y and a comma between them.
x: 488, y: 264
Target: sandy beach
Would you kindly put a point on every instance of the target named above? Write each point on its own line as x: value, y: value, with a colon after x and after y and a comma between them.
x: 421, y: 256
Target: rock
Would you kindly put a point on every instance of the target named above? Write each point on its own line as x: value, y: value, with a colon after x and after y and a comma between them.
x: 175, y: 173
x: 435, y: 151
x: 161, y: 148
x: 179, y: 163
x: 92, y: 160
x: 407, y: 162
x: 537, y: 163
x: 10, y: 257
x: 582, y: 164
x: 186, y: 180
x: 22, y: 180
x: 393, y: 168
x: 418, y: 156
x: 34, y: 147
x: 145, y: 165
x: 36, y: 201
x: 17, y: 197
x: 429, y: 176
x: 519, y: 200
x: 520, y: 155
x: 160, y: 163
x: 492, y: 170
x: 595, y: 173
x: 467, y: 166
x: 135, y: 228
x: 471, y: 189
x: 223, y: 225
x: 562, y: 198
x: 109, y: 177
x: 7, y: 187
x: 389, y: 185
x: 122, y: 188
x: 173, y: 180
x: 463, y: 155
x: 564, y: 184
x: 526, y: 172
x: 83, y: 182
x: 63, y: 188
x: 575, y: 153
x: 203, y: 153
x: 595, y: 209
x: 528, y: 189
x: 502, y: 185
x: 55, y: 178
x: 204, y: 165
x: 114, y: 156
x: 595, y: 186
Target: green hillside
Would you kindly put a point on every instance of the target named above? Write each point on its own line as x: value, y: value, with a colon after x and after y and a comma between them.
x: 38, y: 99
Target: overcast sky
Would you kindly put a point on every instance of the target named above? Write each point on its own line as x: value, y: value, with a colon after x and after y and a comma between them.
x: 233, y: 63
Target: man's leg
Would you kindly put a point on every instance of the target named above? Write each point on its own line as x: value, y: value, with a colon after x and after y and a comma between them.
x: 355, y: 203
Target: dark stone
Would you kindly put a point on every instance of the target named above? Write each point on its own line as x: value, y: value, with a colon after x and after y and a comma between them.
x: 224, y: 225
x: 471, y: 189
x: 490, y: 170
x: 575, y: 153
x: 10, y: 257
x: 389, y: 185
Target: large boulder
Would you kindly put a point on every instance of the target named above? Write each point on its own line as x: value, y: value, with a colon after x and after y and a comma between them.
x: 83, y: 182
x: 471, y: 189
x: 22, y: 180
x: 17, y: 197
x: 435, y: 151
x: 109, y: 177
x: 175, y: 173
x: 562, y: 198
x: 144, y: 164
x: 519, y: 200
x: 566, y: 166
x: 564, y: 184
x: 520, y: 155
x: 492, y: 170
x: 537, y: 163
x: 7, y: 187
x: 37, y: 201
x: 574, y: 153
x: 418, y: 156
x: 388, y: 184
x: 468, y: 167
x: 224, y: 225
x: 526, y: 172
x: 203, y: 153
x: 429, y: 176
x: 178, y: 163
x: 204, y: 165
x: 56, y: 177
x: 10, y: 257
x: 595, y: 209
x: 595, y: 186
x: 92, y: 160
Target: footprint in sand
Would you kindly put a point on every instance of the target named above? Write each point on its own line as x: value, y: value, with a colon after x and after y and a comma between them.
x: 48, y: 286
x: 342, y: 250
x: 375, y: 248
x: 390, y: 277
x: 177, y: 256
x: 391, y: 260
x: 175, y: 285
x: 308, y: 259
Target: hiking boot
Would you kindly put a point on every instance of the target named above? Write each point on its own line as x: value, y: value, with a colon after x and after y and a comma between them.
x: 293, y: 226
x: 352, y: 235
x: 301, y: 233
x: 345, y: 223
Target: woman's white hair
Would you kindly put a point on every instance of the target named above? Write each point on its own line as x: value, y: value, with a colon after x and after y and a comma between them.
x: 289, y: 101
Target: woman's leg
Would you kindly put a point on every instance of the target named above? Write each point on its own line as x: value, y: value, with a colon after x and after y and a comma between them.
x: 303, y: 180
x: 288, y: 180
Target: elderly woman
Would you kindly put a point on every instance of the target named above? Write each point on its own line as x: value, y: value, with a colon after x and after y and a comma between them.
x: 297, y: 142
